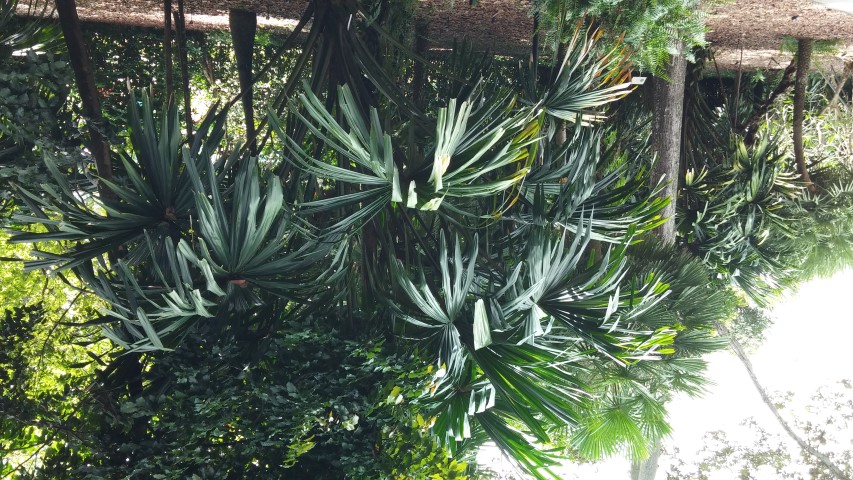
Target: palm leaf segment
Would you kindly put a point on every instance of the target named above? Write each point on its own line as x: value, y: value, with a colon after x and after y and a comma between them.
x: 194, y: 247
x: 511, y: 352
x: 470, y: 158
x: 155, y: 197
x: 573, y: 195
x: 585, y: 82
x: 146, y: 314
x: 731, y: 211
x: 249, y: 238
x: 477, y: 147
x: 245, y: 245
x: 32, y: 35
x: 627, y: 408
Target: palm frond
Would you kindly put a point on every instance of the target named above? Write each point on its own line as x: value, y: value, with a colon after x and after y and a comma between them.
x: 155, y: 196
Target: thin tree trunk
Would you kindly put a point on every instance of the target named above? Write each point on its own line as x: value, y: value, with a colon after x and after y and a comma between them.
x: 180, y: 29
x: 666, y: 138
x: 647, y: 469
x: 736, y: 102
x: 750, y: 127
x: 208, y: 68
x: 244, y: 24
x: 561, y: 134
x: 85, y: 78
x: 534, y: 50
x: 167, y: 49
x: 666, y: 141
x: 418, y: 70
x: 742, y: 356
x: 837, y: 94
x: 804, y: 58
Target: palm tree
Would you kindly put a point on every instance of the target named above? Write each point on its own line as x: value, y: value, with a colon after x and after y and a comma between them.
x: 464, y: 230
x: 736, y: 205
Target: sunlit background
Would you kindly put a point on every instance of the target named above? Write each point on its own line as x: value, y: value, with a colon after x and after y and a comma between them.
x: 807, y: 347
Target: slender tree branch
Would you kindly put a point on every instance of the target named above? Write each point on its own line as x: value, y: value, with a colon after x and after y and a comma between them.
x: 744, y: 358
x: 180, y: 28
x: 167, y: 49
x: 750, y: 127
x: 841, y: 83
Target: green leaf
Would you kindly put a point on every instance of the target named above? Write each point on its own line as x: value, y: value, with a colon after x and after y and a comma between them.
x: 482, y: 329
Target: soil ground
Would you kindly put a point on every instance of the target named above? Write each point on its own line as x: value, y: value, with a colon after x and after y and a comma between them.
x: 742, y: 32
x: 758, y: 26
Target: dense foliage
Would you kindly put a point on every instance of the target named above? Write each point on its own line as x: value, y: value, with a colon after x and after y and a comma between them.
x: 744, y: 210
x: 652, y: 30
x: 33, y: 91
x: 413, y: 265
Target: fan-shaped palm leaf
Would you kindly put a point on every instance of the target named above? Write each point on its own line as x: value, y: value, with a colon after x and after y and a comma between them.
x: 156, y: 197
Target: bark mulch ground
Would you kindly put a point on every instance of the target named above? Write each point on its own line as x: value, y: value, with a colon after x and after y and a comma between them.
x: 746, y: 32
x: 758, y: 27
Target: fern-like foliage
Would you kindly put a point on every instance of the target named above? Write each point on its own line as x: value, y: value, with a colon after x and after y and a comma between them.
x: 651, y: 29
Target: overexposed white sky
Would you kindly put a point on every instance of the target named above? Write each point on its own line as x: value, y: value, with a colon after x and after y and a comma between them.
x: 806, y: 347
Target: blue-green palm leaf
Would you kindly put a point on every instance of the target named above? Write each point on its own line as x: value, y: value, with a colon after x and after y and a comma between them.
x: 155, y: 196
x: 248, y: 240
x: 734, y: 215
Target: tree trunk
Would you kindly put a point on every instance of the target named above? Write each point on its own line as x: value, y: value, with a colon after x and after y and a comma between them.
x: 534, y: 50
x: 750, y: 127
x: 742, y: 356
x: 804, y: 58
x: 85, y: 79
x: 647, y: 469
x: 167, y: 49
x: 736, y: 102
x: 666, y: 141
x: 244, y: 24
x: 181, y: 30
x: 561, y: 134
x: 418, y: 73
x: 666, y: 138
x: 208, y: 67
